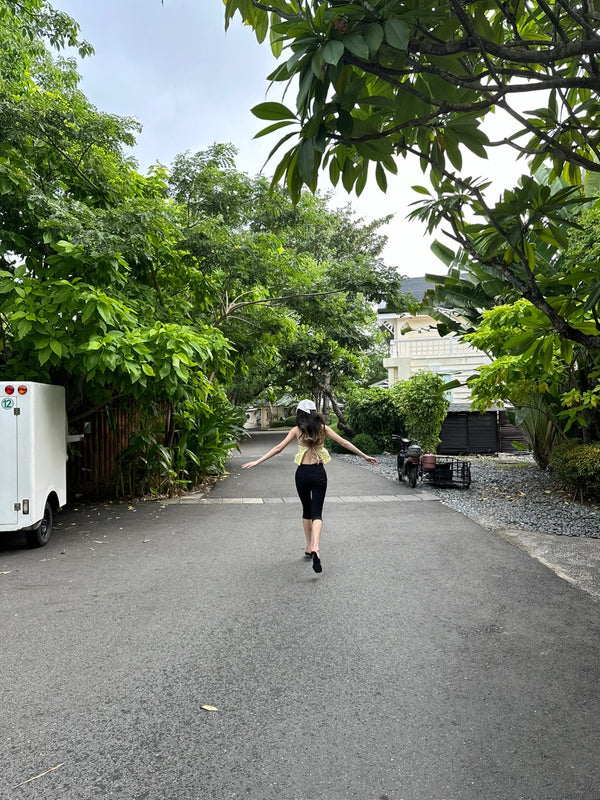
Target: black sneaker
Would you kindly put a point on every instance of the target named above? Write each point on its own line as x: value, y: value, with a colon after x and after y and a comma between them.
x: 316, y: 563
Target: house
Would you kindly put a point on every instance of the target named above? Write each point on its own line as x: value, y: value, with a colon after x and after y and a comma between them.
x: 415, y: 345
x: 262, y: 414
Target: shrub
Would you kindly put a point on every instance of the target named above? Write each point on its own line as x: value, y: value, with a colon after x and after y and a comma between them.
x: 374, y: 412
x: 578, y: 467
x: 365, y: 443
x: 332, y: 446
x: 423, y: 405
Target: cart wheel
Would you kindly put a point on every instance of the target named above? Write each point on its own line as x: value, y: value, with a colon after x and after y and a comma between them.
x: 412, y: 477
x: 39, y: 537
x: 466, y: 476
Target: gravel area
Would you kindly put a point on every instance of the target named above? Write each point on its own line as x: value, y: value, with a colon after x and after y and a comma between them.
x: 508, y: 492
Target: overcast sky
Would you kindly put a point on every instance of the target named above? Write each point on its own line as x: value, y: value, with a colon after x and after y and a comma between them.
x: 190, y: 84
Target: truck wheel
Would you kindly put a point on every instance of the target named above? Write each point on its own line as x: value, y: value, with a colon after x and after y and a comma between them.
x: 39, y: 537
x: 412, y: 477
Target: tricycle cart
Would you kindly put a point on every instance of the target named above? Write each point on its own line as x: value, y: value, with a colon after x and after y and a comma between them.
x: 447, y: 471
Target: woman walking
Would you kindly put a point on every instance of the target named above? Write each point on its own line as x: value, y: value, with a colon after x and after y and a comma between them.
x: 311, y: 479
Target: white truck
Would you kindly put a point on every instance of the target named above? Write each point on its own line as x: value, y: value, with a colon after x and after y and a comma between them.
x: 33, y: 469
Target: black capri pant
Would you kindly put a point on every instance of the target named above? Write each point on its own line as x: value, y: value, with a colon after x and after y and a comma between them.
x: 311, y: 484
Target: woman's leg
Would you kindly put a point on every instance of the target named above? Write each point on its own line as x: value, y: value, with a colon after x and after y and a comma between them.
x: 304, y: 493
x: 307, y: 525
x: 318, y: 491
x: 317, y: 527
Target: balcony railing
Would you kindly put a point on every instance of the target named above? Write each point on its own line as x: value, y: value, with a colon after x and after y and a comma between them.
x: 431, y: 348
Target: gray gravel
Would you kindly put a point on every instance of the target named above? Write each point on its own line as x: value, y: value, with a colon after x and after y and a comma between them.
x: 508, y: 492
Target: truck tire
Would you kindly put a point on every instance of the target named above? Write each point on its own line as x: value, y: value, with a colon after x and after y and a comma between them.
x: 40, y: 535
x: 412, y: 477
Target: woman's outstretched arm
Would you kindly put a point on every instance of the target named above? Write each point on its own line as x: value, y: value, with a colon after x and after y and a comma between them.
x: 348, y: 445
x: 274, y: 450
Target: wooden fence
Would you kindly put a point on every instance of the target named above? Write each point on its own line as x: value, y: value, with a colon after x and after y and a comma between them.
x: 93, y: 465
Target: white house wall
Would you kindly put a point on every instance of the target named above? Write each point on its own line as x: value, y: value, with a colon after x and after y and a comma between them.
x: 421, y: 348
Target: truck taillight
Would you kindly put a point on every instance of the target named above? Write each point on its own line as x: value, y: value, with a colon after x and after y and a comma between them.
x: 22, y: 389
x: 9, y: 389
x: 26, y: 506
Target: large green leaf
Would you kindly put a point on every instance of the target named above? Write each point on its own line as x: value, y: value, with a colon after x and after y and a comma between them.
x: 397, y: 33
x: 273, y: 111
x: 356, y: 45
x: 333, y: 52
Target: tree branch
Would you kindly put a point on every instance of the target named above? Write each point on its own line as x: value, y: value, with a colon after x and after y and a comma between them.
x: 277, y: 11
x: 554, y: 20
x: 230, y: 308
x: 528, y: 288
x: 554, y: 146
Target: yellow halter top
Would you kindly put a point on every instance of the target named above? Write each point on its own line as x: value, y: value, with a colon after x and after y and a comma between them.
x: 321, y: 452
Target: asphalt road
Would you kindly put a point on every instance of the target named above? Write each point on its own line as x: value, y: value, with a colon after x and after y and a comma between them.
x: 430, y: 660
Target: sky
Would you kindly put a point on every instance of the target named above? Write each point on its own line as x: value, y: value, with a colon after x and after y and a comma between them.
x: 175, y: 69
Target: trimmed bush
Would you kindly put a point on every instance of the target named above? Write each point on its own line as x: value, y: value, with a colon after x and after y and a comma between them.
x: 365, y: 443
x: 334, y: 447
x: 422, y: 402
x: 577, y: 466
x: 280, y: 423
x: 374, y: 412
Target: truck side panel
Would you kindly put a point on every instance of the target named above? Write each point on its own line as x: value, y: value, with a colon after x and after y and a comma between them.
x: 8, y: 462
x: 41, y: 446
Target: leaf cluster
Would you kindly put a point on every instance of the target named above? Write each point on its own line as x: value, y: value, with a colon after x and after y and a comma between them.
x: 380, y: 79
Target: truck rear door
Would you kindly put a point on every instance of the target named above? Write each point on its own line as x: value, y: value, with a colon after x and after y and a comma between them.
x: 9, y: 489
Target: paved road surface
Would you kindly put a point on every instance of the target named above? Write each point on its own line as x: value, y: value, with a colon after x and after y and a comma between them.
x: 431, y: 659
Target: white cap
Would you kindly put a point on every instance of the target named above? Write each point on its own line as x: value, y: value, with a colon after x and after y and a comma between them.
x: 307, y: 406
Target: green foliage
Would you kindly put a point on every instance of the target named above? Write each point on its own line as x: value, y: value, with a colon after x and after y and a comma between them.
x: 300, y: 279
x: 377, y: 82
x: 375, y: 412
x: 203, y: 436
x: 280, y: 423
x: 423, y: 405
x: 180, y: 288
x: 332, y: 445
x: 577, y: 466
x: 95, y: 289
x: 539, y: 423
x: 366, y: 443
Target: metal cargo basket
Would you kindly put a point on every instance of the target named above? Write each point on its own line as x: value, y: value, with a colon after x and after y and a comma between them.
x: 449, y: 471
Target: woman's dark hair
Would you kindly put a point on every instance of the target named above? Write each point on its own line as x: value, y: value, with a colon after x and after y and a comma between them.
x: 312, y: 427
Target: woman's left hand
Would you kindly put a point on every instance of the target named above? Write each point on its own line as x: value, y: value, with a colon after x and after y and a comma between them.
x: 371, y: 460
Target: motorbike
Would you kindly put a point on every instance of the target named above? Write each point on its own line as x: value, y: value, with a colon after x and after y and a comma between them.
x: 410, y: 462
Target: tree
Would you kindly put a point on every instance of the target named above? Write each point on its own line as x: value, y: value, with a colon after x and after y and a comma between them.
x: 423, y: 404
x: 290, y: 285
x: 90, y: 267
x: 379, y: 81
x: 380, y: 78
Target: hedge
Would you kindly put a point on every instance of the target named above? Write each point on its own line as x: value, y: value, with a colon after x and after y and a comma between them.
x: 577, y: 466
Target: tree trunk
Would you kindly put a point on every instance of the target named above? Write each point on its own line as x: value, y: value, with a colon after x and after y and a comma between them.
x: 325, y: 388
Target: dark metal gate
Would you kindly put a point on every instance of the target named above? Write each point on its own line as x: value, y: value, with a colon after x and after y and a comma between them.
x: 469, y: 432
x: 472, y: 432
